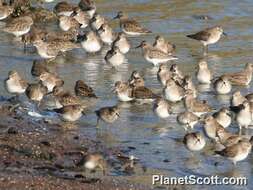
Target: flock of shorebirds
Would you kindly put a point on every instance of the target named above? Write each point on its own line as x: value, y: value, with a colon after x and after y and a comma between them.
x: 82, y: 27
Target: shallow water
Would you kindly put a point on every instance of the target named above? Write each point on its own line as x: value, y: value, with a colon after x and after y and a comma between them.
x: 157, y: 141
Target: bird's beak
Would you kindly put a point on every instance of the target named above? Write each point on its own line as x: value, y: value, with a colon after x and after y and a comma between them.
x: 138, y: 46
x: 116, y: 17
x: 113, y: 90
x: 73, y: 14
x: 225, y: 34
x: 117, y: 114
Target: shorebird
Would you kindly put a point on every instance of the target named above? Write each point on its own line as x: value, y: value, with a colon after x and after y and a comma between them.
x: 123, y: 91
x: 188, y: 119
x: 153, y: 55
x: 81, y: 17
x: 142, y: 93
x: 19, y: 26
x: 172, y: 91
x: 122, y: 43
x: 237, y: 98
x: 14, y: 84
x: 222, y: 85
x: 243, y: 77
x: 38, y: 68
x: 93, y: 161
x: 114, y: 57
x: 174, y: 69
x: 97, y: 21
x: 71, y: 113
x: 249, y: 97
x: 136, y: 80
x: 50, y: 80
x: 83, y: 90
x: 223, y: 117
x: 243, y: 114
x: 196, y: 106
x: 211, y: 126
x: 35, y: 34
x: 107, y: 114
x: 163, y: 45
x: 208, y: 36
x: 68, y: 22
x: 130, y: 26
x: 189, y: 85
x: 106, y: 34
x: 236, y: 152
x: 204, y: 75
x: 162, y: 108
x: 88, y: 6
x: 5, y: 11
x: 64, y: 9
x: 36, y: 91
x: 90, y: 42
x: 163, y: 74
x: 194, y: 141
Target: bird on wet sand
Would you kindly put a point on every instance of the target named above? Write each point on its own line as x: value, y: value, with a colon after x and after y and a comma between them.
x: 222, y: 85
x: 123, y: 91
x: 204, y: 75
x: 122, y: 43
x: 194, y: 141
x: 187, y: 119
x: 163, y: 74
x: 237, y: 98
x: 114, y: 57
x: 162, y: 108
x: 107, y: 114
x: 50, y: 80
x: 163, y: 45
x: 136, y: 79
x: 83, y: 90
x: 71, y: 113
x: 223, y: 117
x: 173, y: 92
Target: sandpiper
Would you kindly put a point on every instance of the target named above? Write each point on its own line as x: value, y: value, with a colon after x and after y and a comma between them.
x: 36, y: 91
x: 83, y: 90
x: 107, y: 114
x: 70, y: 35
x: 204, y: 75
x: 65, y: 98
x: 195, y: 106
x: 38, y: 68
x: 194, y: 141
x: 163, y: 74
x: 211, y: 126
x: 14, y: 84
x: 223, y: 117
x: 189, y: 85
x: 106, y: 34
x: 173, y: 92
x: 162, y: 108
x: 237, y: 152
x: 130, y: 26
x: 237, y: 98
x: 153, y: 55
x: 81, y: 17
x: 163, y: 45
x: 64, y: 8
x: 5, y: 11
x: 68, y: 22
x: 19, y: 26
x: 122, y: 43
x: 35, y: 34
x: 188, y: 119
x: 123, y: 91
x: 70, y: 113
x: 242, y: 77
x: 50, y: 80
x: 222, y: 85
x: 90, y: 42
x: 97, y: 21
x: 136, y: 79
x: 142, y: 93
x: 174, y: 69
x: 114, y: 57
x: 88, y: 6
x: 208, y: 36
x: 243, y: 114
x: 93, y: 161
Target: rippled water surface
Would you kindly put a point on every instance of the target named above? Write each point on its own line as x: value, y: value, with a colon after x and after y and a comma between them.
x: 157, y: 141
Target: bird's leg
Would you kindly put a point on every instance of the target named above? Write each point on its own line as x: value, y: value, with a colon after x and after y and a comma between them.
x: 97, y: 124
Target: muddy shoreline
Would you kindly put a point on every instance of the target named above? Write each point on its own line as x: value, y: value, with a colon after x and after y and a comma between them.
x: 39, y: 155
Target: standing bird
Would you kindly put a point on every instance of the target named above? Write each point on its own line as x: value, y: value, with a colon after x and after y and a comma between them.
x: 70, y: 113
x: 208, y: 36
x: 162, y: 108
x: 189, y: 85
x: 204, y: 75
x: 130, y: 26
x: 163, y: 45
x: 122, y: 43
x: 222, y: 85
x: 106, y: 34
x: 107, y: 114
x: 83, y: 90
x: 123, y: 91
x: 136, y: 80
x: 50, y: 80
x: 173, y: 92
x: 187, y: 119
x: 95, y: 160
x: 68, y: 22
x: 19, y: 26
x: 38, y: 68
x: 241, y: 78
x: 163, y: 74
x: 223, y: 117
x: 211, y: 126
x: 14, y: 84
x: 154, y: 55
x: 194, y: 141
x: 63, y: 8
x: 114, y: 57
x: 237, y: 98
x: 35, y: 92
x: 90, y: 42
x: 97, y: 21
x: 236, y: 152
x: 88, y: 6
